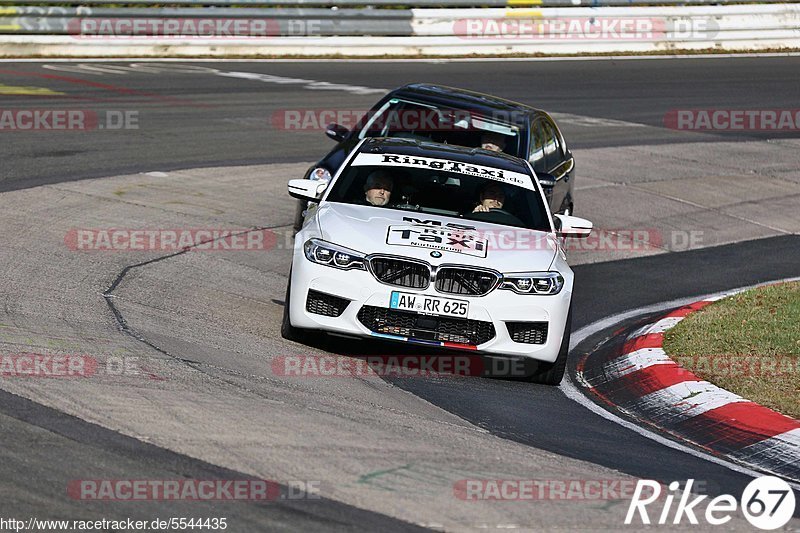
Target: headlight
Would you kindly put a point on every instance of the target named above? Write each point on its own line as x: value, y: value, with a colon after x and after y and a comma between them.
x: 533, y: 282
x: 320, y: 174
x: 332, y: 255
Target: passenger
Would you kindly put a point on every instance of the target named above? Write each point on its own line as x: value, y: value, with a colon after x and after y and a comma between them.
x: 378, y: 188
x: 491, y: 197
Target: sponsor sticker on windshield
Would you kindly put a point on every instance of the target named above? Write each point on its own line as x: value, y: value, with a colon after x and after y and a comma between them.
x: 449, y: 240
x: 490, y: 173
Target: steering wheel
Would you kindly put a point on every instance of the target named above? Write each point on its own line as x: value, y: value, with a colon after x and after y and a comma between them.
x: 498, y: 216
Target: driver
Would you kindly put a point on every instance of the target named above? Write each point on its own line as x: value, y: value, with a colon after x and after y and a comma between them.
x: 493, y: 141
x: 378, y: 188
x: 491, y: 197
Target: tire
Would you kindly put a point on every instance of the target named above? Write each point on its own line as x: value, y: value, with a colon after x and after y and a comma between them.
x: 553, y: 373
x: 567, y: 208
x: 298, y: 215
x: 288, y: 331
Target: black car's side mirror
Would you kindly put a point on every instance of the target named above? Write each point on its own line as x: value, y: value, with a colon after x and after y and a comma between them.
x: 337, y: 132
x: 547, y: 181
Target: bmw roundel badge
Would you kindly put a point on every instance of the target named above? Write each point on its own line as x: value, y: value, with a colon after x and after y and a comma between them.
x: 435, y: 254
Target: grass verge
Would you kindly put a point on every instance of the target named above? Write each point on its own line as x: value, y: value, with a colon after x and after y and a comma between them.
x: 748, y: 344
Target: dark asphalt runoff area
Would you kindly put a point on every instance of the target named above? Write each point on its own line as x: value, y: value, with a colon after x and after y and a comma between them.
x: 199, y: 119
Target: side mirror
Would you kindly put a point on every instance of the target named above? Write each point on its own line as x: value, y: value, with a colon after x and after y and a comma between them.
x: 337, y: 132
x: 304, y: 189
x: 569, y: 226
x: 547, y: 181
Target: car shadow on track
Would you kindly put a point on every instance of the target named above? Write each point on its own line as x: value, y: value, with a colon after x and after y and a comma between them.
x: 397, y: 360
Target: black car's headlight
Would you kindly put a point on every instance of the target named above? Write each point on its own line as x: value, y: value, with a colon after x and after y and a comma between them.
x: 332, y: 255
x: 547, y: 283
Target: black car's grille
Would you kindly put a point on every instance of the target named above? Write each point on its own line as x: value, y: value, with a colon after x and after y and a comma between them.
x: 432, y: 328
x: 465, y: 281
x: 320, y: 303
x: 400, y: 272
x: 528, y: 332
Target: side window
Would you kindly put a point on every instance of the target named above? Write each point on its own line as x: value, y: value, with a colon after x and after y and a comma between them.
x: 536, y: 156
x: 552, y: 148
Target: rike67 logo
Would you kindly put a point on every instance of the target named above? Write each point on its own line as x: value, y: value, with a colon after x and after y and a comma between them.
x: 767, y: 503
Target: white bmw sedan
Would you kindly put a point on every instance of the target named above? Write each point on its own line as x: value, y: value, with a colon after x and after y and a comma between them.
x: 436, y: 245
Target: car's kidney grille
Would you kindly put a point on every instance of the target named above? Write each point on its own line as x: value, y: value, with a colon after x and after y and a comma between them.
x: 400, y: 273
x: 528, y: 332
x: 435, y: 328
x: 325, y: 304
x: 463, y: 281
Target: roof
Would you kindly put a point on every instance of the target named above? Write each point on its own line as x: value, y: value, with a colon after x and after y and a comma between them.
x: 462, y: 99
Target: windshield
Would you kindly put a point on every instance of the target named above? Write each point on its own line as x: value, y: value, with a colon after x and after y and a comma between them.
x: 454, y: 189
x: 425, y: 122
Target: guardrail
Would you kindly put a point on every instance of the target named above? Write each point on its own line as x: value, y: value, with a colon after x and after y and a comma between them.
x: 184, y: 31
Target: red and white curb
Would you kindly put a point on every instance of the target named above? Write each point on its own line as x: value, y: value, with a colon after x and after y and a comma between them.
x: 644, y: 383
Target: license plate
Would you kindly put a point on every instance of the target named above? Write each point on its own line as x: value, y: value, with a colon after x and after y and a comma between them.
x: 432, y: 305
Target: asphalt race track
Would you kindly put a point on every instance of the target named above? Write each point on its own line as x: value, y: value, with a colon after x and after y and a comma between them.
x: 210, y: 149
x: 191, y: 120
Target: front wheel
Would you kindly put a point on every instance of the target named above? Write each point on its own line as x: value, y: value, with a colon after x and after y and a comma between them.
x: 553, y: 373
x: 288, y: 331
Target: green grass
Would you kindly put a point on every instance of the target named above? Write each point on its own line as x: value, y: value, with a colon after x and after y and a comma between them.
x: 748, y: 344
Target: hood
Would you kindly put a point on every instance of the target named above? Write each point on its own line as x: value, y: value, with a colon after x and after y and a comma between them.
x: 436, y: 239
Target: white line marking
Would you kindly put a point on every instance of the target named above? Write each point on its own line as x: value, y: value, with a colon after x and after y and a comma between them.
x: 314, y: 85
x: 656, y: 327
x: 776, y: 452
x: 581, y: 120
x: 571, y: 390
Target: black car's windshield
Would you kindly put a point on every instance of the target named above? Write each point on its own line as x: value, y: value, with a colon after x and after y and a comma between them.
x: 441, y: 187
x: 425, y: 122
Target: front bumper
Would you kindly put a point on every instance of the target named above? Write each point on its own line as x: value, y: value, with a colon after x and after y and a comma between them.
x: 368, y: 315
